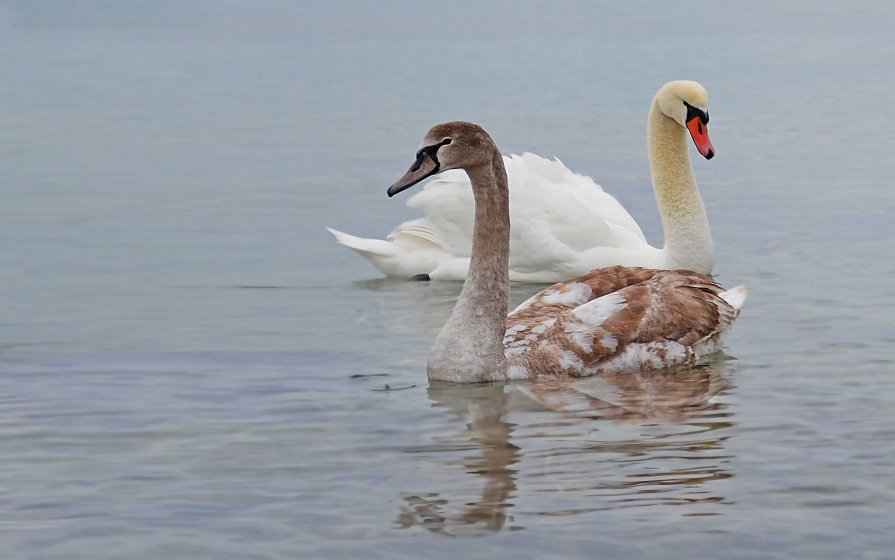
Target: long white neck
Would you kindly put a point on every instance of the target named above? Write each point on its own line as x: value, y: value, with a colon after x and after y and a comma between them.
x: 470, y: 346
x: 688, y: 239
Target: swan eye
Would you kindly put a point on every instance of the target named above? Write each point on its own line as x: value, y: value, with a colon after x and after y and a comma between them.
x: 696, y: 112
x: 430, y: 151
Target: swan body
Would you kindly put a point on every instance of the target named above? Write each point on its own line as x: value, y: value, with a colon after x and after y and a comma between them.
x: 555, y: 215
x: 609, y: 320
x: 564, y: 224
x: 619, y: 319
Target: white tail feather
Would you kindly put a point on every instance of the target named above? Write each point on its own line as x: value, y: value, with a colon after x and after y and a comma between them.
x: 366, y: 247
x: 735, y: 296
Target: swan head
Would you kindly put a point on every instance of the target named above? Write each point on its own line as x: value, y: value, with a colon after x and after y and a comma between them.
x: 450, y: 145
x: 686, y: 102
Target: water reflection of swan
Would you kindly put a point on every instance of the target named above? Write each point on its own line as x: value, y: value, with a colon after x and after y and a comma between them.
x: 484, y: 407
x: 677, y: 448
x: 670, y: 395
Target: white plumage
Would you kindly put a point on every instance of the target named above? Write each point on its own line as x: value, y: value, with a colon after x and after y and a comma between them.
x: 563, y: 223
x: 556, y: 216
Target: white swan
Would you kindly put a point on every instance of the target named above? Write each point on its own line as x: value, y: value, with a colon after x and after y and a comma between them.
x: 614, y: 319
x: 564, y: 224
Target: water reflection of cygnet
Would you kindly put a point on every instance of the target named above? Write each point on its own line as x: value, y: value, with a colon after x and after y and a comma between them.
x: 484, y: 407
x: 668, y: 395
x: 664, y: 444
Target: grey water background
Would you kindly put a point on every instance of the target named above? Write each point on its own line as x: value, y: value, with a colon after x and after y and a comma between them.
x: 190, y: 367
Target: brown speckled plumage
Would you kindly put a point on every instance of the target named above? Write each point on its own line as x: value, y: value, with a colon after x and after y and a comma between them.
x: 657, y: 310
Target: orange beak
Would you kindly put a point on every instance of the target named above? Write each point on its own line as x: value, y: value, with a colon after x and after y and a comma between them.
x: 700, y: 134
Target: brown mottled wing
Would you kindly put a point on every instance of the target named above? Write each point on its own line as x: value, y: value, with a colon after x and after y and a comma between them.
x: 578, y: 291
x: 612, y: 279
x: 683, y: 307
x: 676, y: 305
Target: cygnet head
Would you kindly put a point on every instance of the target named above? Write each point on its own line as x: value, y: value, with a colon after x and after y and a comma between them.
x: 450, y: 145
x: 686, y: 102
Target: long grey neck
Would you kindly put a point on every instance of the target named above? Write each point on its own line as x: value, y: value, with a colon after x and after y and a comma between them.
x: 688, y: 239
x: 470, y: 346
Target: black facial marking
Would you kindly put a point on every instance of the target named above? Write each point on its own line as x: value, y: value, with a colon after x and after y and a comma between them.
x: 431, y: 150
x: 693, y: 112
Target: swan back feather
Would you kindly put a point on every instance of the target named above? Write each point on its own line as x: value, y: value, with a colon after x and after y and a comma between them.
x: 564, y: 224
x: 556, y: 215
x: 619, y: 319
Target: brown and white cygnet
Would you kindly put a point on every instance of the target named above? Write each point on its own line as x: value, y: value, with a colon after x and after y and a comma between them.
x: 564, y: 224
x: 612, y: 319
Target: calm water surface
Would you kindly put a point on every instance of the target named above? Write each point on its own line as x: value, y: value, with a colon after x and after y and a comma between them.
x: 190, y: 367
